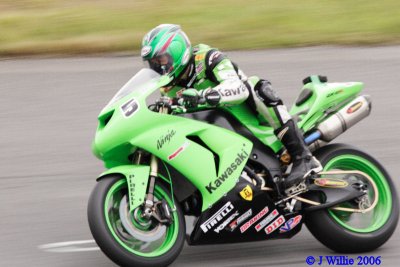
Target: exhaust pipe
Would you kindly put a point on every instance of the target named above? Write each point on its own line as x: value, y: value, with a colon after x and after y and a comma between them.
x: 345, y: 118
x: 342, y: 120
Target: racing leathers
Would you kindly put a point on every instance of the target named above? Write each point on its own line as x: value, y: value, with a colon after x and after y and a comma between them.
x: 212, y: 77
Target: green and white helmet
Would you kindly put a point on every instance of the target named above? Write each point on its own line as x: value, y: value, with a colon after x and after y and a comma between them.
x: 167, y: 50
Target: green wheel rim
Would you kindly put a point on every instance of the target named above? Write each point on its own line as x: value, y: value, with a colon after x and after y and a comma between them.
x: 115, y: 194
x: 381, y: 213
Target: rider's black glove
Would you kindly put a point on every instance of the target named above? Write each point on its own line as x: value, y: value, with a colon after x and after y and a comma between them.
x: 191, y: 98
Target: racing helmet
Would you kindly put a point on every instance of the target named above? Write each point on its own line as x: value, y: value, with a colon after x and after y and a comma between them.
x: 166, y: 49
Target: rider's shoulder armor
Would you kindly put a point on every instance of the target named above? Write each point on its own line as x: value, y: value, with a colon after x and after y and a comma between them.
x: 205, y: 59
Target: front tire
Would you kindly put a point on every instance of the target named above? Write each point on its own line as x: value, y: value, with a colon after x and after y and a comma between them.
x: 126, y: 238
x: 356, y: 232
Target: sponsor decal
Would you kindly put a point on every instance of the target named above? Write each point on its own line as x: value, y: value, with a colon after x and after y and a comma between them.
x: 165, y: 139
x: 212, y: 186
x: 232, y: 92
x: 247, y: 193
x: 275, y: 224
x: 145, y: 51
x: 214, y: 55
x: 213, y: 97
x: 217, y: 217
x: 353, y: 108
x: 199, y: 68
x: 129, y: 108
x: 233, y: 225
x: 290, y: 224
x: 253, y: 220
x: 334, y: 183
x: 178, y: 151
x: 335, y: 93
x: 267, y: 220
x: 226, y: 222
x: 199, y: 57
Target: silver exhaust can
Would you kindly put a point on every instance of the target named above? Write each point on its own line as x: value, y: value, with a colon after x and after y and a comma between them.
x: 345, y: 118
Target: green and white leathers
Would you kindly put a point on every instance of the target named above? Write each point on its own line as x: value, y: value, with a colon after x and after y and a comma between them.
x: 210, y: 71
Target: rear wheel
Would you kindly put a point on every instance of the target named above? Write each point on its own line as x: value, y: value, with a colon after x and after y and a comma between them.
x: 128, y: 238
x: 348, y: 232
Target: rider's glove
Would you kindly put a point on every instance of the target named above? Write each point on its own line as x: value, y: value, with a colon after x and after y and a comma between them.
x: 164, y: 101
x: 192, y: 97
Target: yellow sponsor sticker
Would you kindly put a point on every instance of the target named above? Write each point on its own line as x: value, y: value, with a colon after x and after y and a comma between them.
x: 199, y: 57
x: 325, y: 182
x: 247, y: 193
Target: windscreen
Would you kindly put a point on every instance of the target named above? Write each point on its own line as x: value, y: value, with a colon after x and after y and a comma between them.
x: 140, y: 82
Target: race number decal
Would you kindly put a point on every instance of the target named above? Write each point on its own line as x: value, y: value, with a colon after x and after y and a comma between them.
x: 129, y: 108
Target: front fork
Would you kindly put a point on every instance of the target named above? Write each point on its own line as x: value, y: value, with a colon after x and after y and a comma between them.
x: 149, y: 201
x: 159, y: 210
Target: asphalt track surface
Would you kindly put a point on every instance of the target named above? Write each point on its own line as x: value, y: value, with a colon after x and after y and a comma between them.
x: 48, y: 110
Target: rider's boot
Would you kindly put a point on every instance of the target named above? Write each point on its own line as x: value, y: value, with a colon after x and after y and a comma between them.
x: 304, y: 163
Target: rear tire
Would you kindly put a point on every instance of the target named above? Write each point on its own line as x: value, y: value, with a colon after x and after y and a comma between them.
x: 121, y: 247
x: 339, y: 235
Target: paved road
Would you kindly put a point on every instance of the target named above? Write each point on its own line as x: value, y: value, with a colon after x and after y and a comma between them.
x: 48, y: 110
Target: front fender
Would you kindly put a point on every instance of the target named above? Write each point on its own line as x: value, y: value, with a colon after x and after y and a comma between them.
x: 137, y: 177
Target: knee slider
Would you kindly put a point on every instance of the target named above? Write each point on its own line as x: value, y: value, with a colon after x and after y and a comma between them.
x: 267, y: 94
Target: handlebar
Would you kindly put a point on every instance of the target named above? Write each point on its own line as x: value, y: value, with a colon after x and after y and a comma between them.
x: 175, y: 106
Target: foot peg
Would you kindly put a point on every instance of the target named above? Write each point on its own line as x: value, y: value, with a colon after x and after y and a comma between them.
x: 296, y: 189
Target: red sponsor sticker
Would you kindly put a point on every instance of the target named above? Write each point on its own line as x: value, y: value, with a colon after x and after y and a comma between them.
x: 275, y: 224
x: 266, y: 220
x: 321, y: 182
x: 353, y: 108
x: 178, y: 151
x: 253, y: 220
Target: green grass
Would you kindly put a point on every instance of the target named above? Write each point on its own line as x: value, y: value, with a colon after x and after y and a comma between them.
x: 75, y: 27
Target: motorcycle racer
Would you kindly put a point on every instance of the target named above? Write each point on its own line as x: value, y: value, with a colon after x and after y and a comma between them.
x: 202, y: 74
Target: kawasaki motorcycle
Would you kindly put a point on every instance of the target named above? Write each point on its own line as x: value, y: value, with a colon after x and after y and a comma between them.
x: 225, y: 167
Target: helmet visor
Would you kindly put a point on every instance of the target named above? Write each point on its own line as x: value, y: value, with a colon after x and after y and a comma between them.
x: 162, y: 64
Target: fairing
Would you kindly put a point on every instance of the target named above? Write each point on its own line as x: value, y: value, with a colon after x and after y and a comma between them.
x: 234, y: 219
x: 325, y: 99
x: 213, y: 169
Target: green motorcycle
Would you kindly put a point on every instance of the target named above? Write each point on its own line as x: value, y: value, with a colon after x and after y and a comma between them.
x: 225, y: 166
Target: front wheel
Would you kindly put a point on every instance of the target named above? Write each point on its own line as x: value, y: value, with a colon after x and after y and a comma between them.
x: 347, y: 232
x: 127, y: 238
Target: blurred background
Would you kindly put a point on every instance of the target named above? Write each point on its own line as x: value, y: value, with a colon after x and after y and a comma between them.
x: 95, y: 26
x: 62, y: 61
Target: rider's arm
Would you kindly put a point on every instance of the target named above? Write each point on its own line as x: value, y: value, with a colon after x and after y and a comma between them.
x: 230, y: 88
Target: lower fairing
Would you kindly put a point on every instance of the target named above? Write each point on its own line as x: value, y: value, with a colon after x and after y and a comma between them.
x: 245, y: 214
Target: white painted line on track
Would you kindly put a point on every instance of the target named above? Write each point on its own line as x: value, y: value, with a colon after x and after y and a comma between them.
x: 69, y: 246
